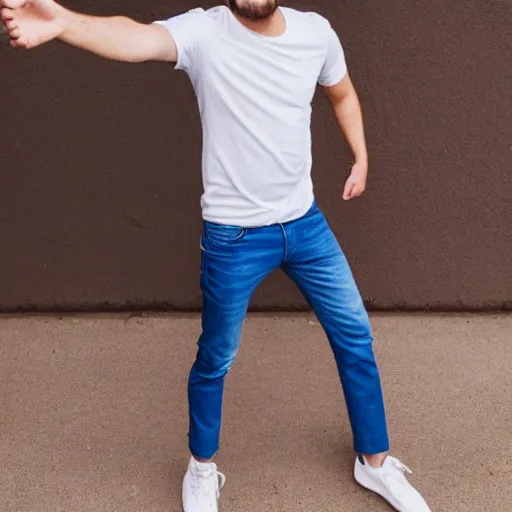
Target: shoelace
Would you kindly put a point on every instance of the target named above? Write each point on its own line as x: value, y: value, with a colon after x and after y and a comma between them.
x: 397, y: 477
x: 199, y: 480
x: 401, y: 466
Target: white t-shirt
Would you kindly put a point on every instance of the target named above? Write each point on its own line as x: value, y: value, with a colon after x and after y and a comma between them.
x: 254, y: 95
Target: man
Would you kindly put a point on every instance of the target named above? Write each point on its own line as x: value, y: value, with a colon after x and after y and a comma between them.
x: 254, y: 67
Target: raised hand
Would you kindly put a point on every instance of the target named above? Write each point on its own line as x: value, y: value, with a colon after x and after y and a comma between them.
x: 30, y: 23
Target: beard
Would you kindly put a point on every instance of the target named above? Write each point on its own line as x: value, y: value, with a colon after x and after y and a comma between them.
x: 255, y: 10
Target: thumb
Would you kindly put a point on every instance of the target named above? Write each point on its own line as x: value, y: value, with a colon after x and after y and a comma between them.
x: 349, y: 186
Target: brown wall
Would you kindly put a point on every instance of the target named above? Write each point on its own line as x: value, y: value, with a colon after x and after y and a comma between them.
x: 100, y: 177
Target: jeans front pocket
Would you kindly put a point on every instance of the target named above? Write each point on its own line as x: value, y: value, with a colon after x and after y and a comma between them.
x: 221, y: 236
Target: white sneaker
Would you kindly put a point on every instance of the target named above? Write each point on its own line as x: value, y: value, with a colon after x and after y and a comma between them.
x: 389, y: 482
x: 201, y: 487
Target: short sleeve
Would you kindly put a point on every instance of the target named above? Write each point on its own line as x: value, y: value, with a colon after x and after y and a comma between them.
x: 188, y: 31
x: 335, y: 66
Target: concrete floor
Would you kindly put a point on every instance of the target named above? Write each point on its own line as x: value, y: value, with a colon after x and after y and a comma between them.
x: 93, y: 414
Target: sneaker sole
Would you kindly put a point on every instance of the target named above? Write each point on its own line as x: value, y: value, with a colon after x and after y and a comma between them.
x: 379, y: 495
x: 219, y: 508
x: 369, y: 488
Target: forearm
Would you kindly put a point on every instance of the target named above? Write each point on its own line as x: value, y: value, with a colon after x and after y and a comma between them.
x: 116, y: 38
x: 350, y: 119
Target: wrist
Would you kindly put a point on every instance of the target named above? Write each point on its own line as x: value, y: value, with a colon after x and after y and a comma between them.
x: 361, y: 159
x: 360, y: 165
x: 63, y: 19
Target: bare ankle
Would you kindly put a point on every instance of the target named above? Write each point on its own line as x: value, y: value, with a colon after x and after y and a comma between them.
x: 202, y: 461
x: 376, y: 460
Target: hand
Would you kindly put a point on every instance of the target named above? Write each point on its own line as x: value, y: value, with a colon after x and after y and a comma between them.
x: 356, y: 183
x: 30, y: 22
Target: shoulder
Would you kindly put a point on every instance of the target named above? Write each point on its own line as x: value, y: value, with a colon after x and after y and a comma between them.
x: 311, y: 25
x: 202, y: 19
x: 217, y: 13
x: 209, y: 20
x: 310, y: 20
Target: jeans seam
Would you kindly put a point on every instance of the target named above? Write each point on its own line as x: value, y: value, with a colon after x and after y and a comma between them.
x: 285, y: 255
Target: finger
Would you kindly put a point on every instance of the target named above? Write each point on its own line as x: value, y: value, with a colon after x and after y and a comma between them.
x: 13, y: 4
x: 11, y: 24
x: 6, y: 14
x: 356, y: 191
x: 15, y: 33
x: 347, y: 194
x: 19, y: 43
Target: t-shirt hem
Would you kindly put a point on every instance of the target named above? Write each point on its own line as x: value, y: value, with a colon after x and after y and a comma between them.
x: 254, y: 225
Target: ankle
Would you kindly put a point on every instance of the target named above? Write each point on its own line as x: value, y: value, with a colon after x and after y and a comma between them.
x: 376, y: 460
x: 202, y: 461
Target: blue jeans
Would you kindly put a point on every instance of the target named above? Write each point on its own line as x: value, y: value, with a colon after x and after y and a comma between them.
x: 234, y: 262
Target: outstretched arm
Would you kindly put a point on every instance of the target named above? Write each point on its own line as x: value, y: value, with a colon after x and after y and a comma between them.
x: 31, y: 23
x: 348, y: 113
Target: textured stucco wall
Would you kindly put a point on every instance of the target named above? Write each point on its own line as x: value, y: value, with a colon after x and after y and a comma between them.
x: 100, y: 178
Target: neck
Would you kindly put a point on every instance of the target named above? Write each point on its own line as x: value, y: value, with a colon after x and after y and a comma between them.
x: 273, y: 26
